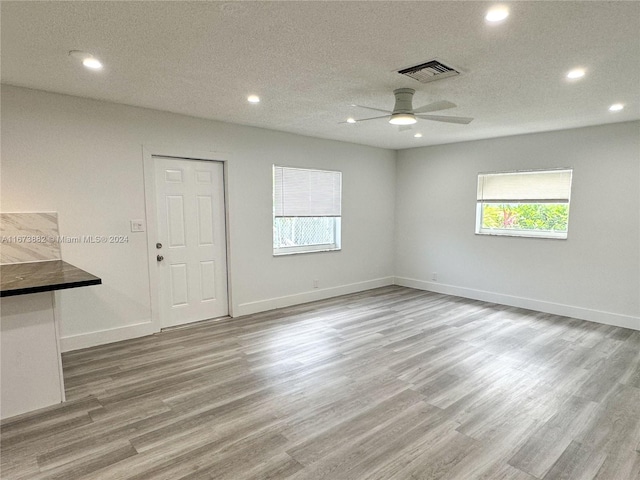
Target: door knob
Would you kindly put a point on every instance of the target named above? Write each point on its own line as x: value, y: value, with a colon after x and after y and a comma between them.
x: 158, y: 245
x: 159, y: 258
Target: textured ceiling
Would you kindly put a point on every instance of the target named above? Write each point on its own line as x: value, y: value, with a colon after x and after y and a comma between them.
x: 309, y: 61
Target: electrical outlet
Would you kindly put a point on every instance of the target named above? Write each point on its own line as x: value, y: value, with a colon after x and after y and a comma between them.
x: 315, y: 283
x: 434, y: 276
x: 137, y: 225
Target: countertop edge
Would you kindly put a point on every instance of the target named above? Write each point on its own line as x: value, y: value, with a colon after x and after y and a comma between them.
x: 46, y: 276
x: 49, y: 288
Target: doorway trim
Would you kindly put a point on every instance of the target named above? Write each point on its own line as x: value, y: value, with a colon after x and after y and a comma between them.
x: 148, y: 154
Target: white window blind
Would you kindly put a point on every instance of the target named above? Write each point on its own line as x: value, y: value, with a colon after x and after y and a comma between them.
x: 306, y: 193
x: 552, y: 186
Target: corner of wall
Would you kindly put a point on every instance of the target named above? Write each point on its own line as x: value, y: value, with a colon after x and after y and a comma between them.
x: 598, y: 316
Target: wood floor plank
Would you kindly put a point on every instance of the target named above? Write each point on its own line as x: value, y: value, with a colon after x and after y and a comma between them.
x: 625, y: 465
x: 548, y: 443
x: 350, y: 431
x: 388, y: 384
x: 576, y: 463
x: 615, y: 427
x: 437, y: 459
x: 87, y: 465
x: 419, y: 424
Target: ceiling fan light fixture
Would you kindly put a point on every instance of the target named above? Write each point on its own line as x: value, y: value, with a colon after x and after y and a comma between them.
x: 402, y: 119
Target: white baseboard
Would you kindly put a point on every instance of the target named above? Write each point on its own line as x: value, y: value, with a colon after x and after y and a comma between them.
x: 91, y: 339
x: 607, y: 318
x: 101, y: 337
x: 309, y: 296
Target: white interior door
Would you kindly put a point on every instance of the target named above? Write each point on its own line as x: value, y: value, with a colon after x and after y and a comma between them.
x: 192, y: 258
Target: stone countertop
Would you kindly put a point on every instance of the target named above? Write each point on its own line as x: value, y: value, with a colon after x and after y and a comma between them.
x: 34, y: 277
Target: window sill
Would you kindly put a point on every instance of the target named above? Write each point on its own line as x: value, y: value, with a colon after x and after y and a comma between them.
x: 305, y: 249
x: 523, y: 234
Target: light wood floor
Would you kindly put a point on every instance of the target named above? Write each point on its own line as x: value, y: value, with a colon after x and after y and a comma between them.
x: 393, y: 383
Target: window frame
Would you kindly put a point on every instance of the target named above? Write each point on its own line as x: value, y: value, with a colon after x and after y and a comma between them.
x: 336, y: 245
x: 522, y: 233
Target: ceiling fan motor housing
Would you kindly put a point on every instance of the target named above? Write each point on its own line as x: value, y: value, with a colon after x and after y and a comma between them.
x: 404, y: 99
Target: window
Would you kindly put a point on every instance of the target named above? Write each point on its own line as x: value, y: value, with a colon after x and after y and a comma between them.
x: 525, y: 204
x: 306, y: 210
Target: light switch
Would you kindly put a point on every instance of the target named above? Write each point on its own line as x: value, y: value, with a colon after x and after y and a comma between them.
x: 137, y: 225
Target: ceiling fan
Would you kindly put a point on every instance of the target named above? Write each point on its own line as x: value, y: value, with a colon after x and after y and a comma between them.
x: 404, y: 114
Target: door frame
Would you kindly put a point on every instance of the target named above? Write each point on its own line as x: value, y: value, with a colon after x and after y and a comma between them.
x: 148, y: 154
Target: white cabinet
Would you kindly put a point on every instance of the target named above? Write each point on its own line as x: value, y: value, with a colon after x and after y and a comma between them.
x: 30, y: 359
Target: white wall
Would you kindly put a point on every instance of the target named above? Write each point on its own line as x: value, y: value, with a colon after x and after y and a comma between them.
x: 84, y: 159
x: 593, y: 275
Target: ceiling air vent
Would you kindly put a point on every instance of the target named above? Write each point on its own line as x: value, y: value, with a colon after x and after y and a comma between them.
x: 429, y: 72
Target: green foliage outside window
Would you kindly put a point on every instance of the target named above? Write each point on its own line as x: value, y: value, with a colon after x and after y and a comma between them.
x: 526, y: 216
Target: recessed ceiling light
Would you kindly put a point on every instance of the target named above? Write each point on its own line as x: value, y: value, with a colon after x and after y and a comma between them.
x: 92, y: 63
x: 351, y: 120
x: 616, y: 107
x: 497, y: 14
x: 88, y: 60
x: 253, y: 99
x: 576, y: 73
x: 418, y: 135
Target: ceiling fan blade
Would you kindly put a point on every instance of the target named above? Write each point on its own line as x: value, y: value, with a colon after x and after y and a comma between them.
x: 403, y: 128
x: 358, y: 120
x: 435, y: 106
x: 442, y: 118
x: 374, y: 109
